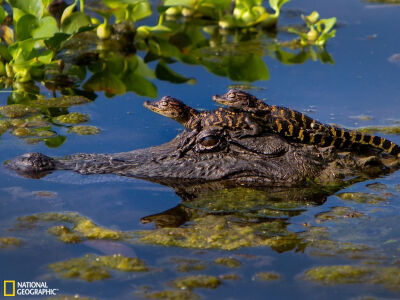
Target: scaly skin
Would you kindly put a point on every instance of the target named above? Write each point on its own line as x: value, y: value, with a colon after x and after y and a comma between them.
x: 192, y: 119
x: 265, y: 160
x: 301, y: 128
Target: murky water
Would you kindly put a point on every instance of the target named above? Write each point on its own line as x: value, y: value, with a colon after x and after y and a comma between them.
x: 361, y: 230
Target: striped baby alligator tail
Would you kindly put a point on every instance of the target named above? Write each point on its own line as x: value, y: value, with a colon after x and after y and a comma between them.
x: 343, y: 138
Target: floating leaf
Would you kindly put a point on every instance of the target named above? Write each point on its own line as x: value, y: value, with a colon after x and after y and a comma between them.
x: 54, y: 142
x: 74, y: 22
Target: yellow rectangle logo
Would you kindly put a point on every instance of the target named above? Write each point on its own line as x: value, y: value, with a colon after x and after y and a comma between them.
x: 8, y: 284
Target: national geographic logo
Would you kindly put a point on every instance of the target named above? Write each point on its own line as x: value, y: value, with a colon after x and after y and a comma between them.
x: 9, y: 288
x: 27, y: 288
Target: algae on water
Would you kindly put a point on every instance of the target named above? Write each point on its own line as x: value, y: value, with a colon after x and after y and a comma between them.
x: 9, y: 242
x: 389, y: 277
x: 82, y: 227
x: 92, y: 267
x: 198, y: 281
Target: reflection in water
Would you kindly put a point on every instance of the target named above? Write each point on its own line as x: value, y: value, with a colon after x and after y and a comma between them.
x: 117, y: 65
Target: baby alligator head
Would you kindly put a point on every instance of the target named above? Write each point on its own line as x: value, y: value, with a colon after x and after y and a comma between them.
x: 237, y: 99
x: 172, y: 108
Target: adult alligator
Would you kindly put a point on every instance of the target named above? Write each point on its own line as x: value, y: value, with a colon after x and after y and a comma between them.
x: 215, y: 154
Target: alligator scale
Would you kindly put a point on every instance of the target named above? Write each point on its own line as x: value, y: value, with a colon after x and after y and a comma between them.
x: 246, y: 144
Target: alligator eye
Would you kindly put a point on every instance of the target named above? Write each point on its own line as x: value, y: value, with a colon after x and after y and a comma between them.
x: 209, y: 141
x: 163, y: 103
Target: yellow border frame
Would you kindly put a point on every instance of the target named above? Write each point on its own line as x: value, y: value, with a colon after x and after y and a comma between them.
x: 5, y: 286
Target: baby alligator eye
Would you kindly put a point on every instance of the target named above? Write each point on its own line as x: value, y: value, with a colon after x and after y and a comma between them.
x: 209, y: 141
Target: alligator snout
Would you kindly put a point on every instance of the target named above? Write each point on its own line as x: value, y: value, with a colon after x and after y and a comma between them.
x: 32, y: 163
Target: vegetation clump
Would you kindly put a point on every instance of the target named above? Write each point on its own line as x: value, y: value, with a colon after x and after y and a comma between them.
x: 188, y: 265
x: 389, y: 277
x: 198, y: 281
x: 17, y: 110
x: 91, y: 267
x: 218, y: 232
x: 170, y: 295
x: 228, y: 262
x: 267, y: 276
x: 85, y: 130
x: 82, y: 227
x: 9, y: 242
x: 72, y: 118
x: 337, y: 213
x: 359, y: 197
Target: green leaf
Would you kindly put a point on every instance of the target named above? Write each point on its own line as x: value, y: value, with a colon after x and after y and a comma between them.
x: 328, y: 23
x: 75, y: 22
x: 163, y: 72
x: 3, y: 14
x: 140, y: 85
x: 56, y: 41
x: 277, y: 4
x: 47, y: 28
x: 4, y: 54
x: 46, y: 56
x: 54, y: 142
x: 68, y: 11
x: 140, y: 11
x: 25, y: 25
x: 22, y: 49
x: 33, y: 7
x: 249, y: 68
x: 188, y: 3
x: 107, y: 82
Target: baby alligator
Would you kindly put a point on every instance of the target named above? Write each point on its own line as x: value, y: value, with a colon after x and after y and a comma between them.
x: 192, y: 119
x: 300, y: 127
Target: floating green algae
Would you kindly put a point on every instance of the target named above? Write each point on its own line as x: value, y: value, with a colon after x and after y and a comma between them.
x: 381, y: 129
x: 64, y: 101
x: 198, y: 281
x: 229, y: 276
x: 17, y: 110
x: 248, y: 202
x: 389, y: 277
x: 71, y: 118
x: 82, y: 227
x: 24, y: 132
x: 188, y: 265
x: 359, y: 197
x: 338, y: 213
x: 228, y: 262
x: 92, y: 267
x: 377, y: 186
x: 170, y: 295
x: 9, y: 242
x: 220, y: 232
x: 319, y: 243
x: 267, y: 276
x: 85, y: 130
x: 64, y: 234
